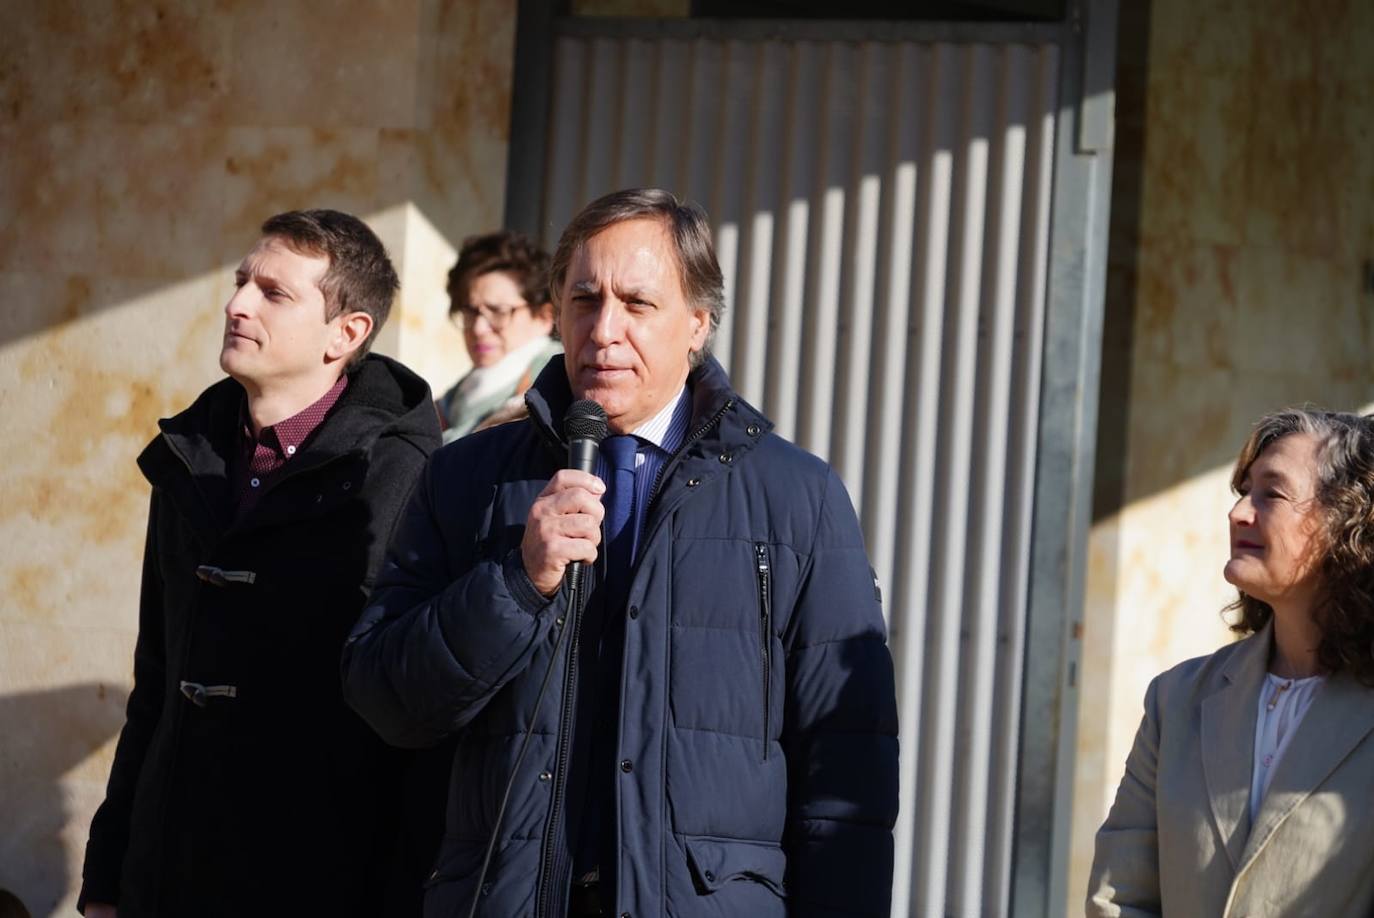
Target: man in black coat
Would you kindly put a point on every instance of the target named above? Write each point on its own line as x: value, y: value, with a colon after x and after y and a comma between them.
x: 242, y: 784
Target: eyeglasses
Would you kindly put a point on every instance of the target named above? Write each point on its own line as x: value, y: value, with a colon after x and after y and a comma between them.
x: 498, y: 317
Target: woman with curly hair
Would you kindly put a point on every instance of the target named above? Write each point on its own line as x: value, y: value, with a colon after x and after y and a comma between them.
x: 499, y: 298
x: 1250, y: 788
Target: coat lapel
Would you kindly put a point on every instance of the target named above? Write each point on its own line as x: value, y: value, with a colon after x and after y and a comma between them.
x: 1228, y: 743
x: 1341, y: 716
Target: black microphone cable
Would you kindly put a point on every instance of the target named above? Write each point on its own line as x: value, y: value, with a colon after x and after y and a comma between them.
x: 585, y: 427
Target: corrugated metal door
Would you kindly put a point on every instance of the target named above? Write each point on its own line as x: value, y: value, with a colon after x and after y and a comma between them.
x: 881, y: 214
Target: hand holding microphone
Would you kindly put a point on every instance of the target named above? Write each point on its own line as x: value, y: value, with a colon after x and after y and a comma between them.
x: 563, y: 529
x: 561, y: 534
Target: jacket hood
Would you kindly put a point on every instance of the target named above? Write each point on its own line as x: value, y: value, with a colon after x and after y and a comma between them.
x: 384, y: 398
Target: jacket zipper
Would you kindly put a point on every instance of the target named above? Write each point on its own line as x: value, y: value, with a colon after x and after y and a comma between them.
x: 696, y: 435
x: 543, y: 906
x: 649, y: 532
x: 547, y: 870
x: 764, y: 570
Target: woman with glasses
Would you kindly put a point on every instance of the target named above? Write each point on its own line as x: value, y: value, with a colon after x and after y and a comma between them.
x: 499, y: 297
x: 1251, y: 784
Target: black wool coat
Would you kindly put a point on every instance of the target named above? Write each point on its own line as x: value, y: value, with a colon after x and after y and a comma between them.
x: 265, y: 795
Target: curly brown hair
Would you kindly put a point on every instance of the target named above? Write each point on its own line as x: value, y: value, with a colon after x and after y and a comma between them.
x: 1345, y: 493
x: 505, y: 251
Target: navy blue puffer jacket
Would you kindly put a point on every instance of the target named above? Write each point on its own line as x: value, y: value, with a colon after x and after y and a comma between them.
x: 757, y: 724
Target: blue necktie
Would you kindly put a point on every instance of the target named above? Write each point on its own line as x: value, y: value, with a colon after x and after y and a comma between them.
x: 620, y: 517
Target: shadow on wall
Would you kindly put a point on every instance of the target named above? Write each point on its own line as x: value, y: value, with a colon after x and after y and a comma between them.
x: 1123, y: 274
x: 46, y: 734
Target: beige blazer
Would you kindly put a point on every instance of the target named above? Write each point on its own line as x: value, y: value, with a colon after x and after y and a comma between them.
x: 1178, y: 840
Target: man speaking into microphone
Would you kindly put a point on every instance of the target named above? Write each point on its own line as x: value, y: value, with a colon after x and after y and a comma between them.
x: 711, y: 728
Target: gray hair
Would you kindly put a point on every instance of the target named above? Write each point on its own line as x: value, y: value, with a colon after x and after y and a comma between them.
x: 1343, y: 445
x: 688, y: 228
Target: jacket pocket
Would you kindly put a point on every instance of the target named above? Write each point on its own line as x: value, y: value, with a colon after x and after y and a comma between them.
x: 763, y: 570
x: 717, y: 862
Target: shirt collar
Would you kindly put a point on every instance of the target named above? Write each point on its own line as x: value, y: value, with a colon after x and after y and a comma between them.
x: 667, y: 429
x: 286, y: 436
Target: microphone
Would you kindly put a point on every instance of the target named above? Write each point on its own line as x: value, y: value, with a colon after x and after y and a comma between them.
x: 585, y: 427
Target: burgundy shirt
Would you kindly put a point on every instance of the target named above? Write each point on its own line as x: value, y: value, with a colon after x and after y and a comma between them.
x: 261, y: 457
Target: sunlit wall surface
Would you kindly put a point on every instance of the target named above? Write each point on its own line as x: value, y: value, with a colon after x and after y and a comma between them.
x: 1243, y: 210
x: 143, y: 144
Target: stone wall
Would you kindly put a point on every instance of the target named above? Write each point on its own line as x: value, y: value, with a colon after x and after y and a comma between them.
x: 144, y: 142
x: 1243, y: 211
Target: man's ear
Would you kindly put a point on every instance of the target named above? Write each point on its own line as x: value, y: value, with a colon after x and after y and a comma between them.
x: 350, y: 331
x: 701, y: 329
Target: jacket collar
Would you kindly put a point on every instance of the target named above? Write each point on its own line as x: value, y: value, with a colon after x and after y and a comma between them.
x: 1341, y: 716
x: 190, y: 459
x: 724, y: 428
x: 550, y: 397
